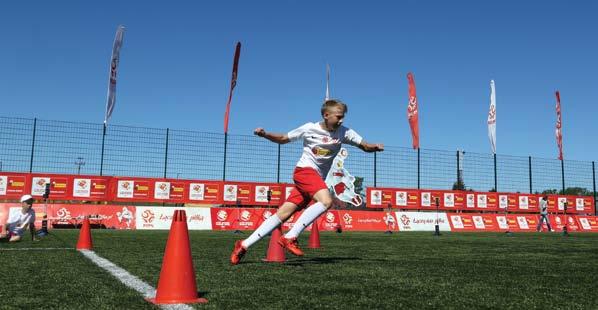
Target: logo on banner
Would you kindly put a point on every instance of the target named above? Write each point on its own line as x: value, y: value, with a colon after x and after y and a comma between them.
x: 230, y: 192
x: 522, y: 221
x: 261, y: 193
x: 376, y: 197
x: 478, y: 222
x: 426, y: 199
x: 125, y: 189
x: 401, y: 199
x: 222, y: 215
x: 585, y: 224
x: 125, y: 216
x: 523, y: 202
x: 330, y: 217
x: 482, y: 201
x: 63, y: 214
x: 196, y: 191
x: 266, y: 214
x: 502, y: 222
x: 347, y: 219
x: 3, y: 183
x: 340, y: 182
x: 81, y: 187
x: 38, y: 186
x: 390, y: 221
x: 405, y: 220
x: 470, y: 200
x: 162, y: 190
x: 457, y: 222
x: 503, y: 201
x: 449, y: 199
x: 561, y: 203
x: 579, y: 204
x: 245, y: 216
x: 148, y: 217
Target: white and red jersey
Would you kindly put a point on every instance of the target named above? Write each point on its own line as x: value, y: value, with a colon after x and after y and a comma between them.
x: 17, y: 219
x: 320, y: 146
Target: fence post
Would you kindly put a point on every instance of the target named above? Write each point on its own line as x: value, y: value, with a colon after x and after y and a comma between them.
x: 102, y: 156
x: 594, y: 182
x: 495, y: 175
x: 375, y: 164
x: 166, y: 152
x: 418, y: 187
x: 278, y: 166
x: 32, y: 145
x: 530, y: 175
x: 224, y: 164
x: 563, y: 174
x: 458, y: 170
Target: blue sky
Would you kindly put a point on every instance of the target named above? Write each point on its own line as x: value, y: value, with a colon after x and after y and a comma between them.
x: 177, y: 57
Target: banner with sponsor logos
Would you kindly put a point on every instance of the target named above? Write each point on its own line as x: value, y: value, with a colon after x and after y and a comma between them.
x: 422, y: 221
x: 161, y: 218
x: 412, y: 199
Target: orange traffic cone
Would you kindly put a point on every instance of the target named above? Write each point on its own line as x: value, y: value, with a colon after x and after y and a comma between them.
x: 85, y: 242
x: 176, y: 284
x: 314, y: 238
x: 275, y: 251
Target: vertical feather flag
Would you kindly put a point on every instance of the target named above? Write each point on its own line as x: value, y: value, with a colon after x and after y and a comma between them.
x: 327, y: 82
x: 412, y: 112
x: 492, y: 118
x: 118, y: 42
x: 559, y: 124
x: 233, y: 83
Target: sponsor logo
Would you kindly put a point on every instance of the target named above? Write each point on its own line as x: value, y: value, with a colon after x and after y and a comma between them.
x: 125, y: 185
x: 347, y: 219
x: 222, y: 215
x: 330, y: 217
x: 197, y: 188
x: 405, y: 220
x: 245, y: 215
x: 82, y: 183
x: 148, y: 216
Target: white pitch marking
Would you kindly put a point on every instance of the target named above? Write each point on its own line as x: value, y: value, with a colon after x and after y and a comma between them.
x: 35, y: 249
x: 128, y: 279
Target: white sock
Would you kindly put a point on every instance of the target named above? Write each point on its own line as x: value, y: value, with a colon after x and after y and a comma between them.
x: 306, y: 218
x: 267, y: 227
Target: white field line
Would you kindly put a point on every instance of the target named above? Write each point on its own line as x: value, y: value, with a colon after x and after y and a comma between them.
x: 128, y: 279
x: 35, y: 249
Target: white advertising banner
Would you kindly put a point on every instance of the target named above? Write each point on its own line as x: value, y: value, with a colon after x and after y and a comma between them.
x: 401, y: 199
x: 230, y: 192
x: 523, y: 202
x: 422, y: 221
x: 196, y: 191
x: 376, y: 197
x: 125, y: 189
x: 503, y: 201
x: 81, y: 187
x: 482, y: 201
x: 261, y: 193
x: 579, y: 203
x: 426, y: 199
x: 161, y: 218
x: 449, y: 200
x: 3, y: 182
x: 471, y: 200
x: 38, y: 186
x: 162, y: 190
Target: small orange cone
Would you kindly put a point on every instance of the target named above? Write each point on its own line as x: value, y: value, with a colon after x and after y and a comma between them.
x: 176, y: 284
x: 85, y: 242
x: 314, y: 238
x: 275, y: 251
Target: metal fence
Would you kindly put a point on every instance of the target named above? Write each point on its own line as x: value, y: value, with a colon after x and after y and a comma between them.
x: 35, y: 145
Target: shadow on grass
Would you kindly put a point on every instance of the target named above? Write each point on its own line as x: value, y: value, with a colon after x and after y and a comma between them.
x: 319, y: 260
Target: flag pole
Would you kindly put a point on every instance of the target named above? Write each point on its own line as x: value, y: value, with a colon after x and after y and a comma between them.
x: 233, y: 83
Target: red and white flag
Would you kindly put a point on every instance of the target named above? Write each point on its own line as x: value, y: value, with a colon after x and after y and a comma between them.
x: 492, y: 118
x: 412, y: 112
x: 111, y: 101
x: 559, y: 125
x: 233, y: 83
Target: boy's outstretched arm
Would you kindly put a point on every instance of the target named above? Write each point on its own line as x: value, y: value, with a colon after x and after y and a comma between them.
x: 370, y: 147
x: 274, y: 137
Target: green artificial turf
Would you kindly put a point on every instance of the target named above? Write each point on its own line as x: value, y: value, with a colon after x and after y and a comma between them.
x: 352, y: 271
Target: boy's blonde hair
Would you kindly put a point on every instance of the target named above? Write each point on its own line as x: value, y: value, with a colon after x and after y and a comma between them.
x: 333, y: 103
